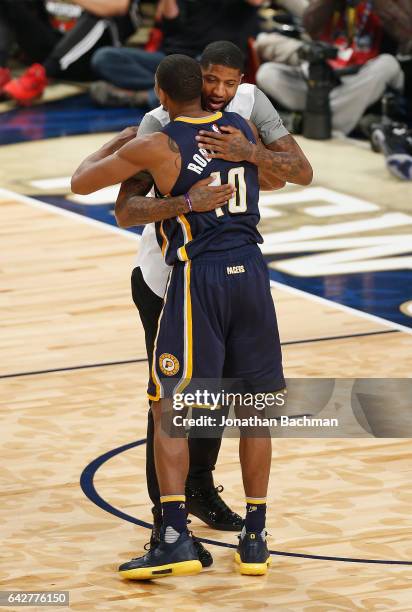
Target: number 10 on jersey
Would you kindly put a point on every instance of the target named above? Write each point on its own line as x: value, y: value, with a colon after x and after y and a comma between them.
x: 237, y: 203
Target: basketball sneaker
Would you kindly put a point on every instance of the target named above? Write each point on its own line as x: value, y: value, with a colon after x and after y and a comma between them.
x: 204, y: 555
x: 209, y: 507
x: 252, y: 553
x: 394, y: 140
x: 177, y: 559
x: 29, y: 86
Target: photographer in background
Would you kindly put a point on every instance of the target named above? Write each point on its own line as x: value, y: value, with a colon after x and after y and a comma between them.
x: 353, y: 80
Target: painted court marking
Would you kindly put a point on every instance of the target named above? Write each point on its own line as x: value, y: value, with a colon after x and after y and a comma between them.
x: 89, y: 489
x: 7, y: 194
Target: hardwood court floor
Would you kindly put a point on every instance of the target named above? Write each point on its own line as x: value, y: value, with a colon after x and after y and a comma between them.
x: 65, y: 305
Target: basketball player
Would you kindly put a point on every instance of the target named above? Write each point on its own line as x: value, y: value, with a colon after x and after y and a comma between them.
x: 218, y: 289
x: 282, y: 160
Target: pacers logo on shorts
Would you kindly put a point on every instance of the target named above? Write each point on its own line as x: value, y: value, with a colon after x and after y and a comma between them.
x: 169, y: 364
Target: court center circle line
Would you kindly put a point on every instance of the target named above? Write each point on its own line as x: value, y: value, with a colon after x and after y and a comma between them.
x: 90, y: 491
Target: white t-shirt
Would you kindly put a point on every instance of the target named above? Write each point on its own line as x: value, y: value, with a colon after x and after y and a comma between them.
x: 250, y: 103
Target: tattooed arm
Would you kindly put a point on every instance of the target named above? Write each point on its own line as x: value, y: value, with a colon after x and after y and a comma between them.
x: 123, y: 159
x: 282, y: 160
x: 133, y: 208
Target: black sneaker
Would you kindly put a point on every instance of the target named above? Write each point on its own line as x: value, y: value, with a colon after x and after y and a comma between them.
x: 207, y: 505
x: 177, y: 559
x: 156, y: 528
x: 252, y: 553
x: 204, y: 555
x: 394, y: 140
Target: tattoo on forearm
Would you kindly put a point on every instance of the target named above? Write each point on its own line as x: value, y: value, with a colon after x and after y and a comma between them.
x: 239, y: 147
x: 134, y: 208
x: 153, y: 209
x: 131, y: 192
x: 283, y: 164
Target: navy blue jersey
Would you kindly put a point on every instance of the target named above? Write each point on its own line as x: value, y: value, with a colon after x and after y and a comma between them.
x: 229, y: 227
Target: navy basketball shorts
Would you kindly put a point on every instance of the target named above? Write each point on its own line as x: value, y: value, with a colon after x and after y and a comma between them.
x: 218, y: 324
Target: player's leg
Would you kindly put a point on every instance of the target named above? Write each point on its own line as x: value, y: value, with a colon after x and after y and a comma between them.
x: 255, y: 459
x: 253, y: 355
x: 172, y: 364
x: 203, y: 498
x: 149, y: 306
x: 175, y: 554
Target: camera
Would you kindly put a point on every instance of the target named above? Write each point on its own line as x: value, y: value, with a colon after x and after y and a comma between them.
x: 317, y: 52
x: 317, y: 118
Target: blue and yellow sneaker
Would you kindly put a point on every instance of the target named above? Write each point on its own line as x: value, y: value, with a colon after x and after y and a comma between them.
x: 252, y: 553
x: 177, y: 559
x: 394, y: 140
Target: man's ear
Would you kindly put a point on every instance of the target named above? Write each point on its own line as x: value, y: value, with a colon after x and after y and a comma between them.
x: 163, y: 97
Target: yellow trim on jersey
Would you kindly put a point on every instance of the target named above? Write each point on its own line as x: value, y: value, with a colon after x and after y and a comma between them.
x: 187, y: 237
x: 155, y: 378
x: 198, y: 120
x: 165, y: 244
x: 182, y: 254
x: 186, y: 226
x: 172, y: 498
x: 188, y: 337
x: 256, y: 500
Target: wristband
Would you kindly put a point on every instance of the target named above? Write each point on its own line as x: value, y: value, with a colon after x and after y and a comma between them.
x: 189, y: 202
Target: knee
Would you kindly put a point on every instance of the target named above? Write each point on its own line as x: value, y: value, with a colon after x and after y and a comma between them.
x: 388, y: 66
x: 156, y: 410
x: 102, y: 59
x: 275, y: 79
x: 266, y: 74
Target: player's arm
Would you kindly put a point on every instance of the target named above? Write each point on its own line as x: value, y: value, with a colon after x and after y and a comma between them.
x: 117, y: 161
x: 282, y: 160
x: 285, y: 159
x: 133, y: 207
x: 279, y: 157
x: 267, y: 181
